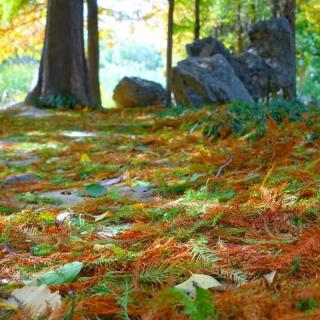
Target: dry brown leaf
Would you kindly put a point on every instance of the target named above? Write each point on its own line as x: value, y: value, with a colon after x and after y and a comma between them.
x: 35, y: 301
x: 198, y: 280
x: 269, y: 277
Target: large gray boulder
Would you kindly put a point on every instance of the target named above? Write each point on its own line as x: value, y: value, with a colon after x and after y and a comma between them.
x: 207, y: 47
x: 256, y: 75
x: 211, y: 80
x: 267, y: 66
x: 273, y: 41
x: 252, y: 70
x: 134, y: 92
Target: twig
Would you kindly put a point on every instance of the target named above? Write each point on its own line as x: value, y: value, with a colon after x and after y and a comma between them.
x: 230, y: 158
x: 268, y: 174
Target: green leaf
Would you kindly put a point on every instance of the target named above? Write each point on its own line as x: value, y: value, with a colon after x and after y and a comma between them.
x: 65, y: 274
x: 7, y: 210
x: 205, y: 305
x: 196, y: 176
x: 95, y: 190
x: 43, y: 250
x: 200, y: 308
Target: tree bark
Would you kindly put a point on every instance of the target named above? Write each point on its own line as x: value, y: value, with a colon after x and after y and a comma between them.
x: 169, y: 51
x: 197, y: 19
x: 253, y: 13
x: 239, y: 28
x: 289, y: 12
x: 63, y: 67
x: 275, y: 8
x: 93, y: 53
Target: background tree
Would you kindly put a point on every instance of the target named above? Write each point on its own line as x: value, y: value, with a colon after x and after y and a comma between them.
x: 22, y: 32
x: 239, y: 26
x: 197, y: 19
x: 93, y: 53
x: 289, y: 11
x: 275, y: 8
x: 169, y: 50
x: 308, y: 44
x: 63, y: 67
x: 21, y: 29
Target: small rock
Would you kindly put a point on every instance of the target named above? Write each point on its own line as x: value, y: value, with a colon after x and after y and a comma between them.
x: 23, y: 162
x: 21, y: 178
x: 136, y: 92
x: 67, y: 198
x: 103, y: 247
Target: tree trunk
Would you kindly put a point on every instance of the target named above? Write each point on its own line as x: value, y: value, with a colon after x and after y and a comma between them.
x: 63, y: 68
x: 197, y: 19
x: 253, y: 13
x: 289, y: 11
x: 239, y: 28
x: 93, y: 53
x: 275, y: 8
x: 169, y: 51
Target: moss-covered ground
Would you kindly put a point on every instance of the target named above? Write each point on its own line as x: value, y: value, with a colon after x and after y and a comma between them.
x: 232, y: 193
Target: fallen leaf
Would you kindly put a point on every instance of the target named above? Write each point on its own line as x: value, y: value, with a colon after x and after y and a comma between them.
x: 35, y: 301
x: 84, y: 158
x: 103, y: 247
x: 65, y: 274
x: 269, y: 277
x: 4, y: 282
x: 110, y: 182
x: 101, y: 216
x: 95, y: 190
x: 196, y: 176
x: 63, y: 216
x: 198, y: 280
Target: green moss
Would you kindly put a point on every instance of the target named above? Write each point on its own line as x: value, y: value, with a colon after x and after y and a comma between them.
x: 43, y: 250
x: 306, y: 305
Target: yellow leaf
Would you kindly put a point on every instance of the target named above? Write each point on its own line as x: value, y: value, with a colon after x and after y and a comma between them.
x: 138, y: 206
x: 84, y: 158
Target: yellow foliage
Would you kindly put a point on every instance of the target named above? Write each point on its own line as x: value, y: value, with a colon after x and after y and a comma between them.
x: 311, y: 9
x: 24, y: 35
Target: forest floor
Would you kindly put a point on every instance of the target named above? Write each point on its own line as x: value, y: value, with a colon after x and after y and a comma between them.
x: 103, y: 214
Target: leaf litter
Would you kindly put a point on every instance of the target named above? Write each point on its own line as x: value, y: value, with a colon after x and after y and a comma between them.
x: 215, y: 194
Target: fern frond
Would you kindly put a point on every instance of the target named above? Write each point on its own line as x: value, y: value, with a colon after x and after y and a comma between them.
x: 236, y: 275
x: 155, y: 274
x: 201, y: 252
x: 310, y: 245
x: 30, y: 231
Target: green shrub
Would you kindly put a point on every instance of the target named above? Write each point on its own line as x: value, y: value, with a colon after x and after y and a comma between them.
x: 15, y: 80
